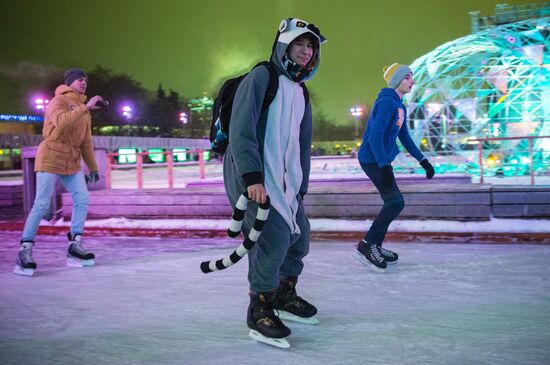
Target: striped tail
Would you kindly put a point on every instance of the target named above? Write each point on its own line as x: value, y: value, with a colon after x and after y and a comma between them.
x: 235, y: 229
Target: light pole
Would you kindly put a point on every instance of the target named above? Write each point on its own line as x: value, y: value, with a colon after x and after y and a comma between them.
x: 127, y: 113
x: 357, y: 113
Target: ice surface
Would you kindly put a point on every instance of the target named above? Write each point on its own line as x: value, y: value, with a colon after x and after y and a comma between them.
x: 147, y: 302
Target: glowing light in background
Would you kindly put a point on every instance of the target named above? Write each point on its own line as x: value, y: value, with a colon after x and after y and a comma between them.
x: 40, y: 104
x: 356, y: 112
x: 183, y: 117
x: 127, y: 111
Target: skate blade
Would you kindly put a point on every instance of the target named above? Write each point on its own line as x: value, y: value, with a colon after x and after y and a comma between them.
x: 359, y: 257
x: 277, y: 342
x: 18, y: 270
x: 74, y: 262
x: 287, y: 316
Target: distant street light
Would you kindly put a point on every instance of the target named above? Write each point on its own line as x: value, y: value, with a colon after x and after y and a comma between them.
x: 183, y: 117
x: 356, y: 112
x: 127, y: 111
x: 40, y: 104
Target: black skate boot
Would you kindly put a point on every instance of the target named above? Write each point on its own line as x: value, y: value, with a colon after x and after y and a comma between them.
x: 369, y: 255
x: 77, y: 256
x: 24, y: 264
x: 289, y: 306
x: 389, y: 256
x: 264, y: 325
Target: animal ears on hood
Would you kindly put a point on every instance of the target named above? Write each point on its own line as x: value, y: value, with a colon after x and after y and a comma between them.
x: 292, y: 28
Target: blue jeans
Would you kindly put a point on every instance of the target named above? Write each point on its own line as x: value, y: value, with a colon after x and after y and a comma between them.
x: 278, y: 253
x: 393, y: 205
x: 45, y: 185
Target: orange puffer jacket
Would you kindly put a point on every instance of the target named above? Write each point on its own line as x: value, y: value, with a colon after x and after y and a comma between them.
x: 67, y: 135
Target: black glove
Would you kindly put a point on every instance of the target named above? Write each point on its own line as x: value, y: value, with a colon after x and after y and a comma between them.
x: 92, y: 177
x: 426, y: 165
x: 386, y: 176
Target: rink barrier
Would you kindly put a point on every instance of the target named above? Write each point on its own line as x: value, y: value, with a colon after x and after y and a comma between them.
x: 484, y: 161
x: 235, y: 229
x: 357, y: 200
x: 11, y: 200
x: 139, y: 165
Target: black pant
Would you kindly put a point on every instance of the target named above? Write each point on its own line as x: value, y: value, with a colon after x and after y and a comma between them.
x: 393, y: 205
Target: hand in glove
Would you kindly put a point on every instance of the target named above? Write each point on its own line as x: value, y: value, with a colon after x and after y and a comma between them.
x: 426, y: 165
x: 386, y: 176
x: 92, y: 177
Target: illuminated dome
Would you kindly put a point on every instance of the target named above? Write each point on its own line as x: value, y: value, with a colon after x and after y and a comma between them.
x: 493, y: 83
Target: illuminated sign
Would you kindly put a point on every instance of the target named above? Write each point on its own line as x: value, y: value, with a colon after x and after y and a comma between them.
x: 158, y: 156
x: 179, y: 154
x: 21, y: 118
x: 127, y: 155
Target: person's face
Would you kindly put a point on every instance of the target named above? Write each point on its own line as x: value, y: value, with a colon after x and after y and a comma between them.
x: 80, y: 84
x: 301, y: 50
x: 406, y: 85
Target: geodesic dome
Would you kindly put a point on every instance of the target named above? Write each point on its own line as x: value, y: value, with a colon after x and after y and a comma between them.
x: 493, y: 83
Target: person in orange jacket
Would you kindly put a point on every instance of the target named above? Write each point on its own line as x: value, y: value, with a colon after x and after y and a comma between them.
x: 67, y: 139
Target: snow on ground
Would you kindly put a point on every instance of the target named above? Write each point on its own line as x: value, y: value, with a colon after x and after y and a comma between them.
x: 495, y: 225
x: 146, y: 302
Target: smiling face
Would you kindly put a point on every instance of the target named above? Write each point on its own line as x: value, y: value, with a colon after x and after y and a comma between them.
x: 79, y: 85
x: 301, y: 50
x: 406, y: 84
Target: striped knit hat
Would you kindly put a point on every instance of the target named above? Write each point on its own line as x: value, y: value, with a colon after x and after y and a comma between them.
x: 395, y: 73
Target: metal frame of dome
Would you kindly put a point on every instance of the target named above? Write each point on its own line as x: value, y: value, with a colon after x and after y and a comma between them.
x: 493, y: 83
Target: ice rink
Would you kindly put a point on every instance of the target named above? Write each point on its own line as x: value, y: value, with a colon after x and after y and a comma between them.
x: 147, y: 302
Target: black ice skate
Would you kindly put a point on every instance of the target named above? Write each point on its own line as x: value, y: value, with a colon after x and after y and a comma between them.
x: 77, y: 256
x: 24, y: 264
x: 390, y: 257
x: 264, y: 325
x: 291, y: 307
x: 369, y: 255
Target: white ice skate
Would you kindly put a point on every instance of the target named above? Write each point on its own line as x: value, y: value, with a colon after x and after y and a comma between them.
x: 287, y: 316
x: 277, y: 342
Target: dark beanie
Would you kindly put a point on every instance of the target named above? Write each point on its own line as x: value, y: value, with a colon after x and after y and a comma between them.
x: 73, y: 74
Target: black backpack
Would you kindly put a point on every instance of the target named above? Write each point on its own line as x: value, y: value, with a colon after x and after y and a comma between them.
x: 221, y: 112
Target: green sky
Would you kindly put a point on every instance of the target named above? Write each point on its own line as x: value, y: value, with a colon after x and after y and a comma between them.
x: 190, y: 45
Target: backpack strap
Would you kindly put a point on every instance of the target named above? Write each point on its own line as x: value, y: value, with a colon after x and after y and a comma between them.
x: 272, y: 86
x: 306, y: 93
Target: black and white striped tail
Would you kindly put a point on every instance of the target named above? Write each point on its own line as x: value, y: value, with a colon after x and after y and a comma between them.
x: 235, y: 229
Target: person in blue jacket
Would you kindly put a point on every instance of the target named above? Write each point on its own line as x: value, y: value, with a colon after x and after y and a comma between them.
x: 386, y: 123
